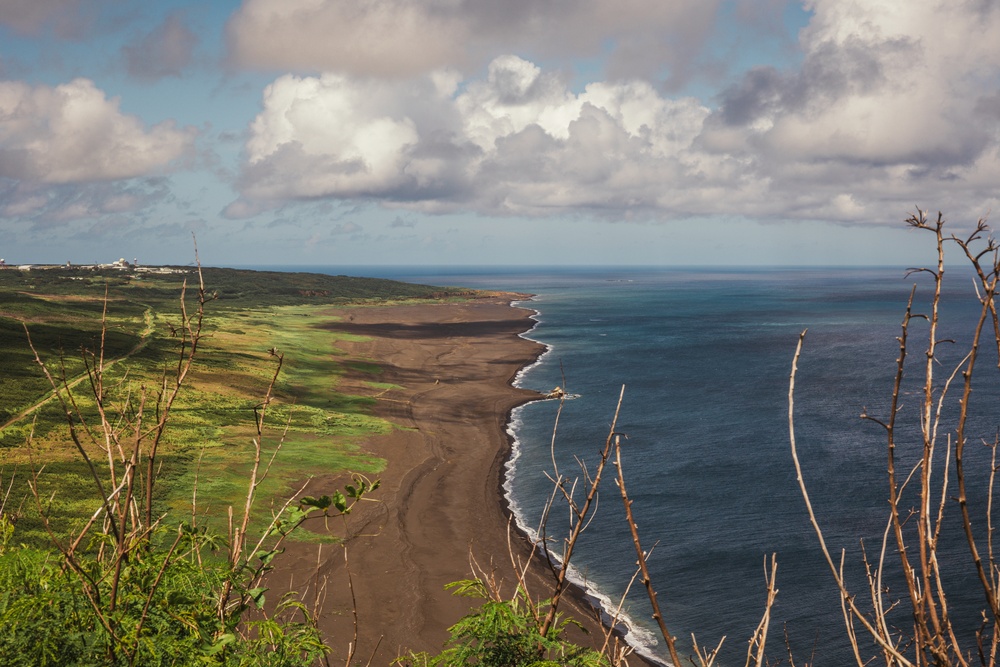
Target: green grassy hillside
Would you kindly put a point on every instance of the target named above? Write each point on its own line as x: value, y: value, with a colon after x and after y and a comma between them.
x: 248, y: 314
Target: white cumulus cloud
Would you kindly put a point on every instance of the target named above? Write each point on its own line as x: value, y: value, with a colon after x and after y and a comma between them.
x: 72, y: 133
x: 516, y: 141
x: 68, y: 152
x: 328, y: 135
x: 893, y: 104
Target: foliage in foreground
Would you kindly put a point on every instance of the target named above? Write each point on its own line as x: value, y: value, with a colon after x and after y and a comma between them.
x: 163, y: 600
x: 132, y: 586
x: 507, y: 633
x: 938, y: 503
x: 165, y: 612
x: 125, y: 590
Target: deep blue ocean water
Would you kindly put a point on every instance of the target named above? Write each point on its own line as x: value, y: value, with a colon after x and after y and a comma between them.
x: 705, y: 356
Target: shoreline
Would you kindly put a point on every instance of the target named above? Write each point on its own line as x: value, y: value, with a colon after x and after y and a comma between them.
x: 446, y: 372
x: 582, y: 594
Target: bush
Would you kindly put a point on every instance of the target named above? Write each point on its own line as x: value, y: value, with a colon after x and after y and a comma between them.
x: 131, y: 586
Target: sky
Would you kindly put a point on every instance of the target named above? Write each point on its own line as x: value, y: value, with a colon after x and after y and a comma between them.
x: 465, y: 132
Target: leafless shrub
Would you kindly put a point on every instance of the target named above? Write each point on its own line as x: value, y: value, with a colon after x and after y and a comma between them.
x: 917, y: 497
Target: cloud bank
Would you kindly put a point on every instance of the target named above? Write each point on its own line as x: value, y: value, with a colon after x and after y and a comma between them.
x: 68, y: 150
x: 478, y: 106
x: 65, y: 18
x: 404, y: 38
x: 892, y: 105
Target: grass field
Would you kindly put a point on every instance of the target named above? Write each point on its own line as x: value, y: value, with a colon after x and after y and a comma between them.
x: 212, y: 425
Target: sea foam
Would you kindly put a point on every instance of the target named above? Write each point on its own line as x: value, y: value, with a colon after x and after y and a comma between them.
x: 643, y: 641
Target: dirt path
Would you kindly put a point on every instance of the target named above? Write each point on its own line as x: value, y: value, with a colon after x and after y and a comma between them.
x: 144, y: 337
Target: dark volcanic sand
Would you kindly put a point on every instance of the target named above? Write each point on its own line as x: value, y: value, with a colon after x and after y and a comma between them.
x: 440, y: 497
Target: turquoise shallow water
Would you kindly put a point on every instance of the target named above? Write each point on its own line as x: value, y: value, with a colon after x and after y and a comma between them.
x: 705, y: 357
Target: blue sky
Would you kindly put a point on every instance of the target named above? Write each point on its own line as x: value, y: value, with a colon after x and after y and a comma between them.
x: 366, y: 132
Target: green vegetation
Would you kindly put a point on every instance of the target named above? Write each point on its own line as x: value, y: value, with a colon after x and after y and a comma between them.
x: 232, y: 288
x: 115, y: 578
x: 115, y: 548
x: 165, y: 612
x: 506, y: 633
x: 98, y: 568
x: 133, y: 317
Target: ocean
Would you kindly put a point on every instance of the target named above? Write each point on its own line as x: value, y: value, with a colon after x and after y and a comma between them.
x: 704, y: 356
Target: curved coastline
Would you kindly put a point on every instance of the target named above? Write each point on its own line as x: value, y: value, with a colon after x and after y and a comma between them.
x: 581, y: 591
x: 445, y: 377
